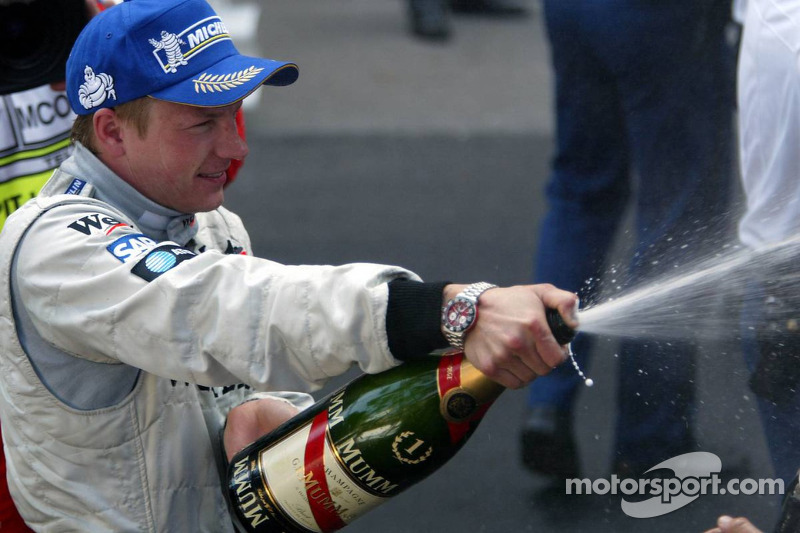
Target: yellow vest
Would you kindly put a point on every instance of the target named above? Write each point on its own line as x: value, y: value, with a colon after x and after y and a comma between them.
x: 34, y: 139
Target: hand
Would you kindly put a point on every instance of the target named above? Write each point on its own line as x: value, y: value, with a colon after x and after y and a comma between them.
x: 726, y: 524
x: 511, y: 342
x: 251, y: 420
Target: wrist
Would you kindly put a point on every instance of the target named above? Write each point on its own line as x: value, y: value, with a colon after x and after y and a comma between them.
x: 460, y: 313
x: 413, y: 317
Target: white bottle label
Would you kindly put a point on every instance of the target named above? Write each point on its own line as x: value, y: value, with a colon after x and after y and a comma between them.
x: 319, y: 495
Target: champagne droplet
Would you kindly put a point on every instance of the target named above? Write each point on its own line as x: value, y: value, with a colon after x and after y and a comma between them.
x: 586, y: 381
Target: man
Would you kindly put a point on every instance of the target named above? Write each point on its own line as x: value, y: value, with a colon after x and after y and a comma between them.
x: 644, y: 108
x: 134, y: 324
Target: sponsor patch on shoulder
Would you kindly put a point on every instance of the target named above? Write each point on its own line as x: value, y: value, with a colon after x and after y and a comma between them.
x: 75, y: 187
x: 131, y: 246
x: 98, y: 222
x: 161, y: 259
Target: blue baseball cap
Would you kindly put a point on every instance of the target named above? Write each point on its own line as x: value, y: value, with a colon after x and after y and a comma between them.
x: 174, y: 50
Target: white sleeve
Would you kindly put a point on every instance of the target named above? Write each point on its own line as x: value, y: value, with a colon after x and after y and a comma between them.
x: 98, y: 289
x: 300, y: 400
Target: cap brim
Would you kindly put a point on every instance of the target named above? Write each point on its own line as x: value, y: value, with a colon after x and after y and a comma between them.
x: 229, y: 81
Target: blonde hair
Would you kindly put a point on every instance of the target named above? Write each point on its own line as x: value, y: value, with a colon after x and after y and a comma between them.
x: 135, y: 112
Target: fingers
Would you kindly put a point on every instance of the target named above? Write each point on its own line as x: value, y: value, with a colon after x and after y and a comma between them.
x: 726, y: 524
x: 512, y: 342
x: 513, y: 373
x: 544, y: 344
x: 495, y: 359
x: 510, y: 370
x: 566, y: 303
x: 250, y: 420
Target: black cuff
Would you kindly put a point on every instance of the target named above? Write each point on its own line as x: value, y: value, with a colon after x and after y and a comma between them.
x: 414, y: 317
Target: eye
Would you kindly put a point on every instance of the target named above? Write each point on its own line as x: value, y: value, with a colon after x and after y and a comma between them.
x: 201, y: 125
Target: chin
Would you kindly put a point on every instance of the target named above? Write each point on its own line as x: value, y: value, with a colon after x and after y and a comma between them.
x: 209, y: 204
x: 210, y: 207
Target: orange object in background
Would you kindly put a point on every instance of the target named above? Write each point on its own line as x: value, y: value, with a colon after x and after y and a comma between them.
x: 236, y: 164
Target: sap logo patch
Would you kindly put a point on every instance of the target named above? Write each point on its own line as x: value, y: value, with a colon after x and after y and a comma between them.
x: 160, y: 260
x: 97, y: 222
x: 130, y: 246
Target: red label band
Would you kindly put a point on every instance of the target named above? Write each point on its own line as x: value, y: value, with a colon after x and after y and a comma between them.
x: 449, y: 373
x: 449, y: 377
x: 319, y: 496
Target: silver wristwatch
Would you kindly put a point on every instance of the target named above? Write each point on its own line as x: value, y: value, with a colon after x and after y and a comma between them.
x: 461, y: 313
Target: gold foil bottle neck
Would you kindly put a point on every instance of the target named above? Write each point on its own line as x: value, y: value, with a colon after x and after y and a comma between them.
x: 460, y: 403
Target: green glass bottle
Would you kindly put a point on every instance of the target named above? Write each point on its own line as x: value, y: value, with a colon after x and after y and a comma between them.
x: 360, y: 446
x: 365, y: 443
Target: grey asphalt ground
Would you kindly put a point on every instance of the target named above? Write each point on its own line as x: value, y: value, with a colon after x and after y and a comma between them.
x: 434, y: 157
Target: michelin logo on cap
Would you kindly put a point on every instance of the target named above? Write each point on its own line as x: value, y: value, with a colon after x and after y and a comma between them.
x: 95, y: 89
x: 173, y: 50
x: 171, y: 44
x: 176, y: 51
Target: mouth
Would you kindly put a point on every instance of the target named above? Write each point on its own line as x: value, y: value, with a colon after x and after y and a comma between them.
x: 213, y: 176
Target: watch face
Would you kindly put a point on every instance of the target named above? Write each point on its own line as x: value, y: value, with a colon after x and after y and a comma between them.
x: 459, y: 315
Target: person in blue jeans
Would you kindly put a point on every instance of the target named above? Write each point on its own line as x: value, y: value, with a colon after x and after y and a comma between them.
x: 430, y: 19
x: 645, y: 95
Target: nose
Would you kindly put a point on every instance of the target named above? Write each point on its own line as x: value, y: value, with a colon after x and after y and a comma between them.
x: 233, y: 145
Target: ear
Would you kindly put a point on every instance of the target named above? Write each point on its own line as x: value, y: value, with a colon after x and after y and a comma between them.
x: 108, y: 132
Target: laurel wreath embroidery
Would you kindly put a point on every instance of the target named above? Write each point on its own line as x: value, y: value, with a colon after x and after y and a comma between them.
x: 396, y: 449
x: 219, y: 82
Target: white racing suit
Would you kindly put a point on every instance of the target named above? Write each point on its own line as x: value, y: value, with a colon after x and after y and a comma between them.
x: 126, y: 335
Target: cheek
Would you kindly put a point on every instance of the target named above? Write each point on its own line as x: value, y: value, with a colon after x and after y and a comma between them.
x: 159, y: 160
x: 174, y: 158
x: 189, y: 151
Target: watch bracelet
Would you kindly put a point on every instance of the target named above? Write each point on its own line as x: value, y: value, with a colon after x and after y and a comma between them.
x: 472, y: 293
x: 475, y: 290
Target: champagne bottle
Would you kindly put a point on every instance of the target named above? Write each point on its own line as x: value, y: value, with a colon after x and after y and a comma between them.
x: 361, y: 445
